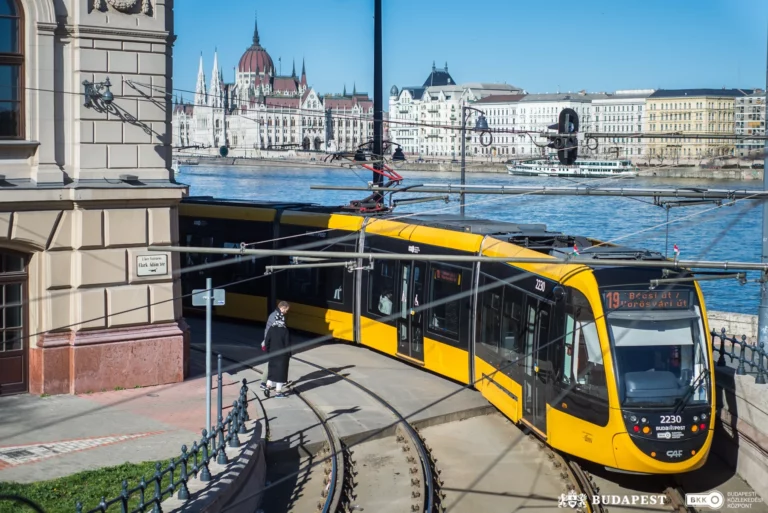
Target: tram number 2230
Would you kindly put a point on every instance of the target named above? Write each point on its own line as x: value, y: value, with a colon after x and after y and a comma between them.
x: 671, y: 419
x: 540, y: 285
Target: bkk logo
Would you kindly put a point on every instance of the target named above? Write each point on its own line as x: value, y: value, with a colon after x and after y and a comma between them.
x: 711, y: 500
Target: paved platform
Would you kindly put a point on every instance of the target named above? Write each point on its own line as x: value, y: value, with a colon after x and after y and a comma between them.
x: 424, y: 398
x: 43, y: 438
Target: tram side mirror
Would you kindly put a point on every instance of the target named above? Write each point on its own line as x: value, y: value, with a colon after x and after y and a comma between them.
x: 558, y: 293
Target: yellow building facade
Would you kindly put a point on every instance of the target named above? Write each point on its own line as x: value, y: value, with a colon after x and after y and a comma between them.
x: 695, y: 112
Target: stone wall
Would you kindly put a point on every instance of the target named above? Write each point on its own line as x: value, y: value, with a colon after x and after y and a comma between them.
x: 742, y: 432
x: 735, y: 324
x: 87, y: 189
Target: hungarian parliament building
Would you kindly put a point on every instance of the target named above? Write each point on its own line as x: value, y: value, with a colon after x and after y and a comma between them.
x: 263, y: 110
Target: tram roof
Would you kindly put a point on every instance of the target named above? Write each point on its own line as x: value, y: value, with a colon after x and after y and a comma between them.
x: 532, y: 236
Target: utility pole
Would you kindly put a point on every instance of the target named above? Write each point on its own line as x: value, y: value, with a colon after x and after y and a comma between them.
x: 762, y: 319
x: 378, y: 151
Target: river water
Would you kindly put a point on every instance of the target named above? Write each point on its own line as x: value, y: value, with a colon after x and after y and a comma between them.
x: 702, y: 232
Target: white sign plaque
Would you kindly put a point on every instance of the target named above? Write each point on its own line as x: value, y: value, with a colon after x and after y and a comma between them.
x: 151, y: 265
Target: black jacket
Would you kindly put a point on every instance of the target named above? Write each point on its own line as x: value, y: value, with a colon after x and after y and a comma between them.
x: 278, y: 344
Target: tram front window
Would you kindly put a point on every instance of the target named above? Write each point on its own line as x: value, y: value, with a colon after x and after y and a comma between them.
x: 661, y: 357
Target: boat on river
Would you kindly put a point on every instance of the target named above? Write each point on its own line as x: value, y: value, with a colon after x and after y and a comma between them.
x: 584, y: 168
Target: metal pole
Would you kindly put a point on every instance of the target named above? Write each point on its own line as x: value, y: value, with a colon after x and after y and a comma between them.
x: 463, y: 155
x: 208, y: 308
x: 378, y: 81
x: 219, y: 402
x: 762, y: 318
x: 422, y: 257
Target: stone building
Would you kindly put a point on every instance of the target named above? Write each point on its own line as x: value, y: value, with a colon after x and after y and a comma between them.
x: 264, y: 110
x: 84, y: 190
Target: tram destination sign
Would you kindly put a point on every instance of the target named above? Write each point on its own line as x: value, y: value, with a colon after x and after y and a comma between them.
x: 647, y: 299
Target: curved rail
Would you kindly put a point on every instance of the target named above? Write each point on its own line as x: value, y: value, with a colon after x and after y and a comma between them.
x: 332, y: 499
x: 676, y: 496
x: 429, y: 496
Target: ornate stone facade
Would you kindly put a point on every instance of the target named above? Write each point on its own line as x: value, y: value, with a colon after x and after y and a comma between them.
x: 262, y: 110
x: 85, y: 190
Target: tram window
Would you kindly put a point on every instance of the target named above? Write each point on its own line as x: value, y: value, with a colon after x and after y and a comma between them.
x: 301, y: 284
x: 445, y: 289
x: 582, y: 357
x: 381, y: 288
x: 511, y: 326
x: 490, y: 315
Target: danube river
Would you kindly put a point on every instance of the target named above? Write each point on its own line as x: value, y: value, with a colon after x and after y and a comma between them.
x: 702, y: 232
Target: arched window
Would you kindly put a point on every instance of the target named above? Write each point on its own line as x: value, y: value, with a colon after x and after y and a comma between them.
x: 11, y: 60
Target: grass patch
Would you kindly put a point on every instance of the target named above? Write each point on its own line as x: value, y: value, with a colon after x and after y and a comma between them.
x: 61, y: 495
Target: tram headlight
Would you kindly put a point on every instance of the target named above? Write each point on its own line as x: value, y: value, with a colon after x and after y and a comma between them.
x: 695, y: 418
x: 703, y: 416
x: 644, y: 420
x: 633, y: 419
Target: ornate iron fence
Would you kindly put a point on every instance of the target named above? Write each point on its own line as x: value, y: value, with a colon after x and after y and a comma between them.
x: 191, y: 463
x: 756, y: 361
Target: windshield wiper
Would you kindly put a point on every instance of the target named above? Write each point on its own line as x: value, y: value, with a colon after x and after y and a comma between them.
x: 691, y: 388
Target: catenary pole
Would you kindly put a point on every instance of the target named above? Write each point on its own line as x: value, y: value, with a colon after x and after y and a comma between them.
x: 762, y: 318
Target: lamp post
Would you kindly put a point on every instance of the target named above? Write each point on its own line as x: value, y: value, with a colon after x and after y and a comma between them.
x: 481, y: 124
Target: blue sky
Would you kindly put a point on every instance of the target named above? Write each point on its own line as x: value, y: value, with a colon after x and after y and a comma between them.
x: 598, y: 45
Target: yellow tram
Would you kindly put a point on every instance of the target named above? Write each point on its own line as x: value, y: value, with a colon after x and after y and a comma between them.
x: 585, y: 356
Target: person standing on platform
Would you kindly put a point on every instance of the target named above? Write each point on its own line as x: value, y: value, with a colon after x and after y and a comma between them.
x: 282, y: 309
x: 278, y: 343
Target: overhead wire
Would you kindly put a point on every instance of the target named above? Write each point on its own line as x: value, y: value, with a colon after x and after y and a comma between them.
x: 363, y: 117
x: 428, y: 305
x: 471, y: 383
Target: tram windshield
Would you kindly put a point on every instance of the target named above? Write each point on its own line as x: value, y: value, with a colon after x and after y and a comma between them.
x: 661, y: 355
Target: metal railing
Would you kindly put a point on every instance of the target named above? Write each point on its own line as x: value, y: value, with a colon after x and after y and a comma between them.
x: 192, y: 463
x: 758, y: 357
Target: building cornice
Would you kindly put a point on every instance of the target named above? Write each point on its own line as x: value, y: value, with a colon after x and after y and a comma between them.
x: 118, y: 34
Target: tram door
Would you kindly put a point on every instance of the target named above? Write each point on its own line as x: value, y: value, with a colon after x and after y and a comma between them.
x: 538, y: 365
x: 410, y: 322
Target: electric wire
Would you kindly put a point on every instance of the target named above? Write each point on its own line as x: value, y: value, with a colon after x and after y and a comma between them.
x: 428, y: 305
x: 310, y: 112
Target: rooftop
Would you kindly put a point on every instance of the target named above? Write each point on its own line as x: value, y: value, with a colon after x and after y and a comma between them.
x: 560, y: 97
x: 682, y: 93
x: 501, y: 98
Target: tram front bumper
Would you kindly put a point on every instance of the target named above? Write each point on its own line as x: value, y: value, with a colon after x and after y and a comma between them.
x: 630, y: 458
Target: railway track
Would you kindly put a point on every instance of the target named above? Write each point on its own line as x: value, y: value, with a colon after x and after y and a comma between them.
x: 337, y: 463
x: 334, y: 464
x: 423, y: 472
x: 338, y: 470
x: 580, y: 483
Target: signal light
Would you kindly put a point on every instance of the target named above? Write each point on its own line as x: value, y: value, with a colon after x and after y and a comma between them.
x: 646, y: 429
x: 565, y: 141
x: 694, y: 428
x: 636, y: 428
x: 703, y: 427
x: 653, y: 455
